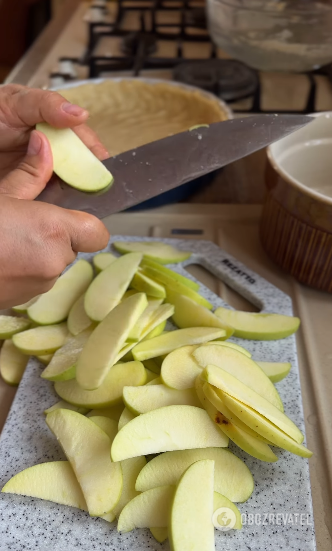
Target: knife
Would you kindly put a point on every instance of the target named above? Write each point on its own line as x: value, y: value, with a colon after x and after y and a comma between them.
x: 160, y: 166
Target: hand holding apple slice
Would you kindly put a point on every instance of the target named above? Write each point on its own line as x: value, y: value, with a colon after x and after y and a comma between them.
x: 88, y: 448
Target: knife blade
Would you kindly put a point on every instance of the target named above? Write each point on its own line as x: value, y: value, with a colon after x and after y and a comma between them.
x: 160, y: 166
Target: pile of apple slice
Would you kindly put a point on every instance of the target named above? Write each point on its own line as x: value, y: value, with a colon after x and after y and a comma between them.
x: 129, y: 389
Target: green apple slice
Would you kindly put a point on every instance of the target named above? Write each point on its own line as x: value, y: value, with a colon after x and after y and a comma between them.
x: 152, y: 366
x: 62, y: 366
x: 180, y: 369
x: 87, y: 447
x: 54, y: 306
x: 73, y: 161
x: 171, y: 284
x: 149, y: 507
x: 276, y: 371
x: 45, y: 358
x: 158, y: 330
x: 77, y: 320
x: 261, y: 327
x: 144, y: 320
x: 62, y: 404
x: 221, y: 502
x: 150, y: 375
x: 113, y: 412
x: 232, y: 477
x: 148, y: 262
x: 12, y: 363
x: 108, y: 288
x: 102, y: 260
x: 125, y: 417
x: 41, y: 340
x: 156, y: 381
x: 107, y: 425
x: 241, y: 367
x: 110, y: 391
x: 9, y: 326
x: 130, y: 471
x: 155, y: 250
x: 262, y: 425
x: 190, y: 314
x: 159, y: 534
x: 149, y: 397
x: 103, y: 346
x: 229, y: 345
x: 22, y: 308
x: 191, y: 525
x: 229, y: 384
x: 144, y: 284
x: 164, y: 429
x: 175, y: 339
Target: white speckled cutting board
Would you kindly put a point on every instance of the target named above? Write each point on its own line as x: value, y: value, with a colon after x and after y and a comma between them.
x: 278, y: 515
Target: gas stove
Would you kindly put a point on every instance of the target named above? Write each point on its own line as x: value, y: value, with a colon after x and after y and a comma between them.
x: 169, y: 39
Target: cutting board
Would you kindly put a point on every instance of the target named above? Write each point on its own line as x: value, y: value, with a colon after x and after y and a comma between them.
x: 277, y: 516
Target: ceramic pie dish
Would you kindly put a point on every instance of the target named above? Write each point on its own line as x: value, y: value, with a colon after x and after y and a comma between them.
x: 296, y: 226
x: 129, y: 112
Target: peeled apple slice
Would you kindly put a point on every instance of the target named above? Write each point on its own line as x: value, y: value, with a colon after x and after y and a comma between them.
x: 180, y: 369
x: 276, y: 371
x: 108, y: 288
x: 175, y: 339
x: 220, y: 502
x: 151, y: 507
x: 144, y: 284
x: 77, y: 320
x: 112, y: 412
x: 125, y: 417
x: 191, y: 527
x: 164, y: 429
x: 260, y: 327
x: 102, y: 261
x: 130, y: 471
x: 45, y: 358
x: 159, y: 534
x: 144, y: 320
x: 232, y: 477
x: 230, y: 345
x: 12, y: 363
x: 110, y: 391
x: 41, y: 340
x: 87, y: 447
x: 147, y: 398
x: 73, y: 161
x: 175, y: 275
x: 62, y: 366
x: 100, y: 352
x: 62, y: 404
x: 54, y: 306
x: 9, y: 326
x: 156, y: 250
x: 107, y: 425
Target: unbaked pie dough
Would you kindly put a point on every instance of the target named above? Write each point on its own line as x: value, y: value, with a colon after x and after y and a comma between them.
x: 129, y: 113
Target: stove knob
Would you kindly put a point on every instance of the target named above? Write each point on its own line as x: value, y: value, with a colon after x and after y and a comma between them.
x: 67, y: 68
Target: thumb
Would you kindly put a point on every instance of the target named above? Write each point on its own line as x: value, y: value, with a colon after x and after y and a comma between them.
x: 28, y: 180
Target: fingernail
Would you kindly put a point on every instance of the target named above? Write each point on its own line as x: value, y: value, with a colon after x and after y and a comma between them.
x: 35, y: 144
x: 72, y: 109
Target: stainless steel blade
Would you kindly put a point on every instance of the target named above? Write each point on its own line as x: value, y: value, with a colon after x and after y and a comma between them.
x: 165, y: 164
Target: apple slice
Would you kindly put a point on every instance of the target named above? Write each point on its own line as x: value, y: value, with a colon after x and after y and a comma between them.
x: 225, y: 382
x: 148, y: 262
x: 62, y: 404
x: 22, y: 308
x: 77, y: 320
x: 164, y: 429
x: 130, y: 471
x: 125, y: 417
x: 144, y: 320
x: 151, y: 507
x: 108, y: 288
x: 261, y: 327
x: 45, y: 358
x: 276, y: 371
x: 221, y: 502
x: 152, y: 366
x: 41, y: 340
x: 158, y: 330
x: 110, y: 391
x: 150, y: 375
x: 180, y: 369
x: 144, y: 284
x: 191, y: 527
x: 156, y: 250
x: 159, y: 534
x: 62, y: 366
x: 190, y: 314
x: 12, y: 363
x: 229, y: 345
x: 54, y: 306
x: 156, y: 381
x: 73, y: 161
x: 147, y: 398
x: 87, y: 447
x: 113, y: 412
x: 241, y: 367
x: 175, y: 339
x: 171, y: 284
x: 106, y: 341
x: 232, y: 477
x: 9, y: 326
x: 102, y: 261
x: 262, y: 425
x: 107, y: 425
